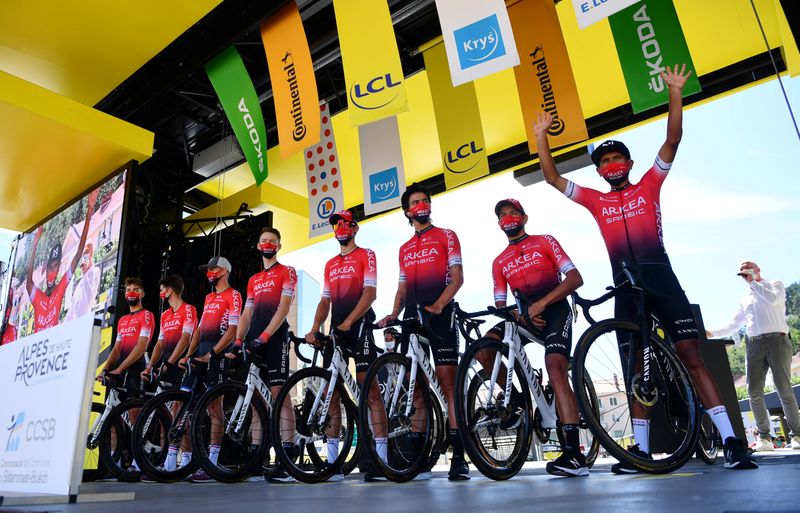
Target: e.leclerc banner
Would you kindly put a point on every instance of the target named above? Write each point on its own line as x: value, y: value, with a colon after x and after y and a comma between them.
x: 592, y: 11
x: 372, y: 71
x: 323, y: 177
x: 649, y: 38
x: 294, y: 86
x: 478, y: 38
x: 382, y: 171
x: 239, y: 100
x: 544, y: 77
x: 458, y: 122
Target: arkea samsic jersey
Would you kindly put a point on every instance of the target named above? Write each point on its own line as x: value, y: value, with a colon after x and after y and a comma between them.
x: 131, y: 328
x: 531, y: 265
x: 425, y: 262
x: 629, y: 219
x: 174, y: 323
x: 220, y: 313
x: 346, y: 277
x: 264, y: 291
x: 46, y: 309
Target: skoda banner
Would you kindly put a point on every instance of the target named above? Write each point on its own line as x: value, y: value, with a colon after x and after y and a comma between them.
x: 45, y: 379
x: 649, y: 38
x: 382, y: 169
x: 372, y: 71
x: 323, y: 177
x: 478, y: 38
x: 592, y: 11
x: 239, y: 100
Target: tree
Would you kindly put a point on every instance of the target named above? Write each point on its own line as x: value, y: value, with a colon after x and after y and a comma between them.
x: 793, y: 314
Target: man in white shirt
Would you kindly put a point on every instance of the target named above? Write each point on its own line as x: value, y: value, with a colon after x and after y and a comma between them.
x: 85, y: 290
x: 763, y: 312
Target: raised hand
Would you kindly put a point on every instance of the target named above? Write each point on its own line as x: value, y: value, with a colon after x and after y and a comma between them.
x: 543, y: 122
x: 92, y: 199
x: 674, y: 78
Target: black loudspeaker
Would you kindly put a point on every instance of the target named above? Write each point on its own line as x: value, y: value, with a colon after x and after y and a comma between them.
x: 791, y: 8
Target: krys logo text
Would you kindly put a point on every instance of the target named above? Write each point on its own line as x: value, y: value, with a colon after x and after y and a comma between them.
x: 479, y: 42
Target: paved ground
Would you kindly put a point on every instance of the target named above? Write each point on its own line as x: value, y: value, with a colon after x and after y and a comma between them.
x: 775, y: 487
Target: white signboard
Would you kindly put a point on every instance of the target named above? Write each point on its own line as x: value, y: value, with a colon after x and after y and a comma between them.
x: 592, y: 11
x: 382, y: 172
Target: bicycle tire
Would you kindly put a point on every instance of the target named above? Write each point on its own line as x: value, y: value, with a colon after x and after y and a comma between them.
x: 96, y: 469
x: 685, y: 423
x: 237, y: 461
x: 115, y: 447
x: 469, y: 386
x: 404, y: 463
x: 151, y: 458
x: 708, y: 441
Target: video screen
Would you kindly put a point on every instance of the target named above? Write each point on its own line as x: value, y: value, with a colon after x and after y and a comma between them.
x: 67, y: 267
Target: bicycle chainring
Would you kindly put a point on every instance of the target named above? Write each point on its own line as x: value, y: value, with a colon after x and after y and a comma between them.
x: 644, y: 397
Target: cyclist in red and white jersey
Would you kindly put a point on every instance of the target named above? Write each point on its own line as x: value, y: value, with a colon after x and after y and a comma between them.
x: 629, y: 218
x: 532, y: 266
x: 134, y: 332
x: 430, y: 275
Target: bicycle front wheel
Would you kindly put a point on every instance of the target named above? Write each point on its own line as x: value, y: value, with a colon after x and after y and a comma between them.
x: 709, y: 441
x: 669, y: 401
x: 116, y: 448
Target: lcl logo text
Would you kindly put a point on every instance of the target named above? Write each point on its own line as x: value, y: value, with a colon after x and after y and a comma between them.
x: 464, y: 151
x: 373, y: 86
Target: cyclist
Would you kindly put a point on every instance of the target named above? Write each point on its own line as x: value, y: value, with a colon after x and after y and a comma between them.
x: 47, y: 303
x: 629, y: 217
x: 178, y: 323
x: 263, y: 325
x: 213, y: 335
x: 531, y: 265
x: 430, y: 275
x: 349, y: 289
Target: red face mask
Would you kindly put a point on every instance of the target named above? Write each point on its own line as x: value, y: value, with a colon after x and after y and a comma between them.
x: 51, y: 277
x: 421, y: 212
x: 344, y: 232
x: 511, y: 224
x: 267, y: 249
x: 163, y: 295
x: 212, y: 277
x: 614, y: 172
x: 132, y: 297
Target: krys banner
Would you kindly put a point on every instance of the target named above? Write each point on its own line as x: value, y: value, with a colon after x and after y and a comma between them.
x: 239, y: 100
x: 649, y: 38
x: 383, y: 176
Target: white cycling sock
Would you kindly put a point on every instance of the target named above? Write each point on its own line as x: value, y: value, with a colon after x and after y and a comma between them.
x: 381, y: 445
x: 333, y: 449
x: 641, y: 434
x: 719, y: 415
x: 186, y: 457
x: 172, y: 459
x: 213, y: 453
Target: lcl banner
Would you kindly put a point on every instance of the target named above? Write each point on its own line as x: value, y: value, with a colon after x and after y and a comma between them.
x: 478, y: 38
x: 323, y: 177
x: 544, y: 77
x: 649, y: 38
x: 239, y: 100
x: 372, y: 70
x: 458, y: 122
x: 592, y: 11
x: 294, y: 86
x: 382, y: 171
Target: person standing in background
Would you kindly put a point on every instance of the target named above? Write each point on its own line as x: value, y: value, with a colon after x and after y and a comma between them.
x: 85, y: 291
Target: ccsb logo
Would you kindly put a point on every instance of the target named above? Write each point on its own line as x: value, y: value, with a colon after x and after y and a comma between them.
x: 39, y: 430
x: 479, y: 42
x: 326, y: 207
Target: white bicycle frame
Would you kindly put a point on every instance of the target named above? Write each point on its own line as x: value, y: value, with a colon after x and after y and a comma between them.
x: 239, y: 413
x: 94, y: 432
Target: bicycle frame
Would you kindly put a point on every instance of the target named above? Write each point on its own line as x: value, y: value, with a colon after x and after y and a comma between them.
x: 253, y: 383
x: 419, y: 359
x: 94, y: 432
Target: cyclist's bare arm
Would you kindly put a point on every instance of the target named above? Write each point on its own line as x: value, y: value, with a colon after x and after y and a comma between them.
x: 399, y: 304
x: 549, y: 169
x: 675, y: 79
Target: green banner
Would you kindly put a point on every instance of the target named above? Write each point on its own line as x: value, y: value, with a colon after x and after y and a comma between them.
x: 240, y: 103
x: 649, y: 38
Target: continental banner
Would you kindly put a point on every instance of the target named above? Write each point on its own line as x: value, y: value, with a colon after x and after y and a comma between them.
x: 239, y: 100
x: 372, y: 70
x: 649, y: 38
x: 294, y: 86
x: 478, y: 38
x: 383, y: 175
x: 544, y: 77
x: 458, y: 122
x: 323, y: 177
x: 592, y: 11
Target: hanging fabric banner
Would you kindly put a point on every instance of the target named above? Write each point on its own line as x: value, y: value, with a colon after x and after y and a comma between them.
x: 382, y: 169
x: 649, y: 38
x: 323, y: 177
x: 294, y: 86
x: 592, y: 11
x: 458, y: 122
x: 789, y: 50
x: 372, y: 71
x: 478, y: 38
x: 544, y: 78
x: 239, y: 100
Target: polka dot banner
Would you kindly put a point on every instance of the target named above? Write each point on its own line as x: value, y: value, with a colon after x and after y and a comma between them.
x: 324, y: 182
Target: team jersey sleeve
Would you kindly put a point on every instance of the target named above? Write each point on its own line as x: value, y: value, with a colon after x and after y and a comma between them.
x: 234, y: 308
x: 190, y: 319
x: 148, y: 323
x: 326, y: 280
x: 161, y: 326
x: 453, y: 249
x: 251, y: 293
x: 370, y: 269
x: 560, y: 258
x: 500, y: 283
x: 289, y: 282
x: 655, y: 176
x: 583, y: 196
x: 402, y: 276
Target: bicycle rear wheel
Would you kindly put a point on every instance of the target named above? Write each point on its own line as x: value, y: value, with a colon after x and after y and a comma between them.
x: 709, y: 440
x: 671, y: 405
x: 496, y: 438
x: 116, y: 448
x: 92, y: 466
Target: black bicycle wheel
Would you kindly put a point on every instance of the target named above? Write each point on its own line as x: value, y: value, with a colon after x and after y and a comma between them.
x: 92, y: 466
x: 115, y: 447
x: 301, y: 434
x: 709, y: 440
x: 496, y: 438
x: 440, y: 438
x: 408, y: 437
x: 163, y: 421
x: 241, y: 434
x: 671, y: 404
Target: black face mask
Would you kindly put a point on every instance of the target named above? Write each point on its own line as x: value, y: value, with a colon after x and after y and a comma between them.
x: 511, y: 225
x: 421, y: 212
x: 268, y: 250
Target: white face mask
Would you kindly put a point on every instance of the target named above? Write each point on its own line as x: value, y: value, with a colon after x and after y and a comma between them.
x: 389, y: 344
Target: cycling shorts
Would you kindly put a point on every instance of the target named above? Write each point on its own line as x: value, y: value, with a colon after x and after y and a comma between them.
x: 445, y: 348
x: 274, y: 368
x: 359, y: 343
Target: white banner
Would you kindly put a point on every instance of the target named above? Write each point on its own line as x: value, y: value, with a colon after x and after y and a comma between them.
x: 592, y: 11
x: 382, y: 171
x: 323, y: 177
x: 478, y: 38
x: 45, y: 401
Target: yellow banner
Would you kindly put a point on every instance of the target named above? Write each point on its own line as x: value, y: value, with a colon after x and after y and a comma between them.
x: 294, y: 86
x: 544, y: 75
x: 789, y: 51
x: 458, y: 122
x: 372, y: 70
